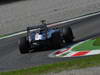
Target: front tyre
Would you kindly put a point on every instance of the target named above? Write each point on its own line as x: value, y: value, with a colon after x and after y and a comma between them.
x: 24, y: 45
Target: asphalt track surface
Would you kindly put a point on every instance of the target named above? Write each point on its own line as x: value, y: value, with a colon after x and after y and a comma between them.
x: 11, y: 59
x: 17, y: 15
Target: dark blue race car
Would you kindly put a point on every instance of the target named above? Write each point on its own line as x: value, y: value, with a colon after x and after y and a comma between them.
x: 42, y: 37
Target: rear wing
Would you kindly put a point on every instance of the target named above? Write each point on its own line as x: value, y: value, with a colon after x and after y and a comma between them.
x: 34, y: 27
x: 52, y: 25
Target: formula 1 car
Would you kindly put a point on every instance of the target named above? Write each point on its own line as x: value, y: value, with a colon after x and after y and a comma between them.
x: 42, y: 37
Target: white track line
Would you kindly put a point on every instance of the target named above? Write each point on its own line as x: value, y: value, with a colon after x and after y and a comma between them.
x: 78, y: 18
x: 71, y: 20
x: 12, y: 35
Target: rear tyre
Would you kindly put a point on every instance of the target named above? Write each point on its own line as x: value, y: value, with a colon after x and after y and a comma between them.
x: 68, y: 34
x: 24, y: 45
x: 56, y: 40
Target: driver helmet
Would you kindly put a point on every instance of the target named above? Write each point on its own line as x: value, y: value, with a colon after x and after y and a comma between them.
x: 44, y: 26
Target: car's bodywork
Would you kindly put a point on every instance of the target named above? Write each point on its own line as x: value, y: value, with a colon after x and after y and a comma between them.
x: 42, y: 37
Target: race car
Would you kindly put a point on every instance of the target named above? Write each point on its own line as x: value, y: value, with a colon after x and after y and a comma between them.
x: 42, y: 37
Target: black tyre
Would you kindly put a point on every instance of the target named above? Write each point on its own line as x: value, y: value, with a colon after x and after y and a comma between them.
x: 24, y: 45
x: 56, y: 40
x: 68, y: 34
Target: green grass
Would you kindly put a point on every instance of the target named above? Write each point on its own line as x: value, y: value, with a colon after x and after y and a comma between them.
x: 97, y: 42
x: 57, y: 67
x: 88, y: 45
x: 2, y: 36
